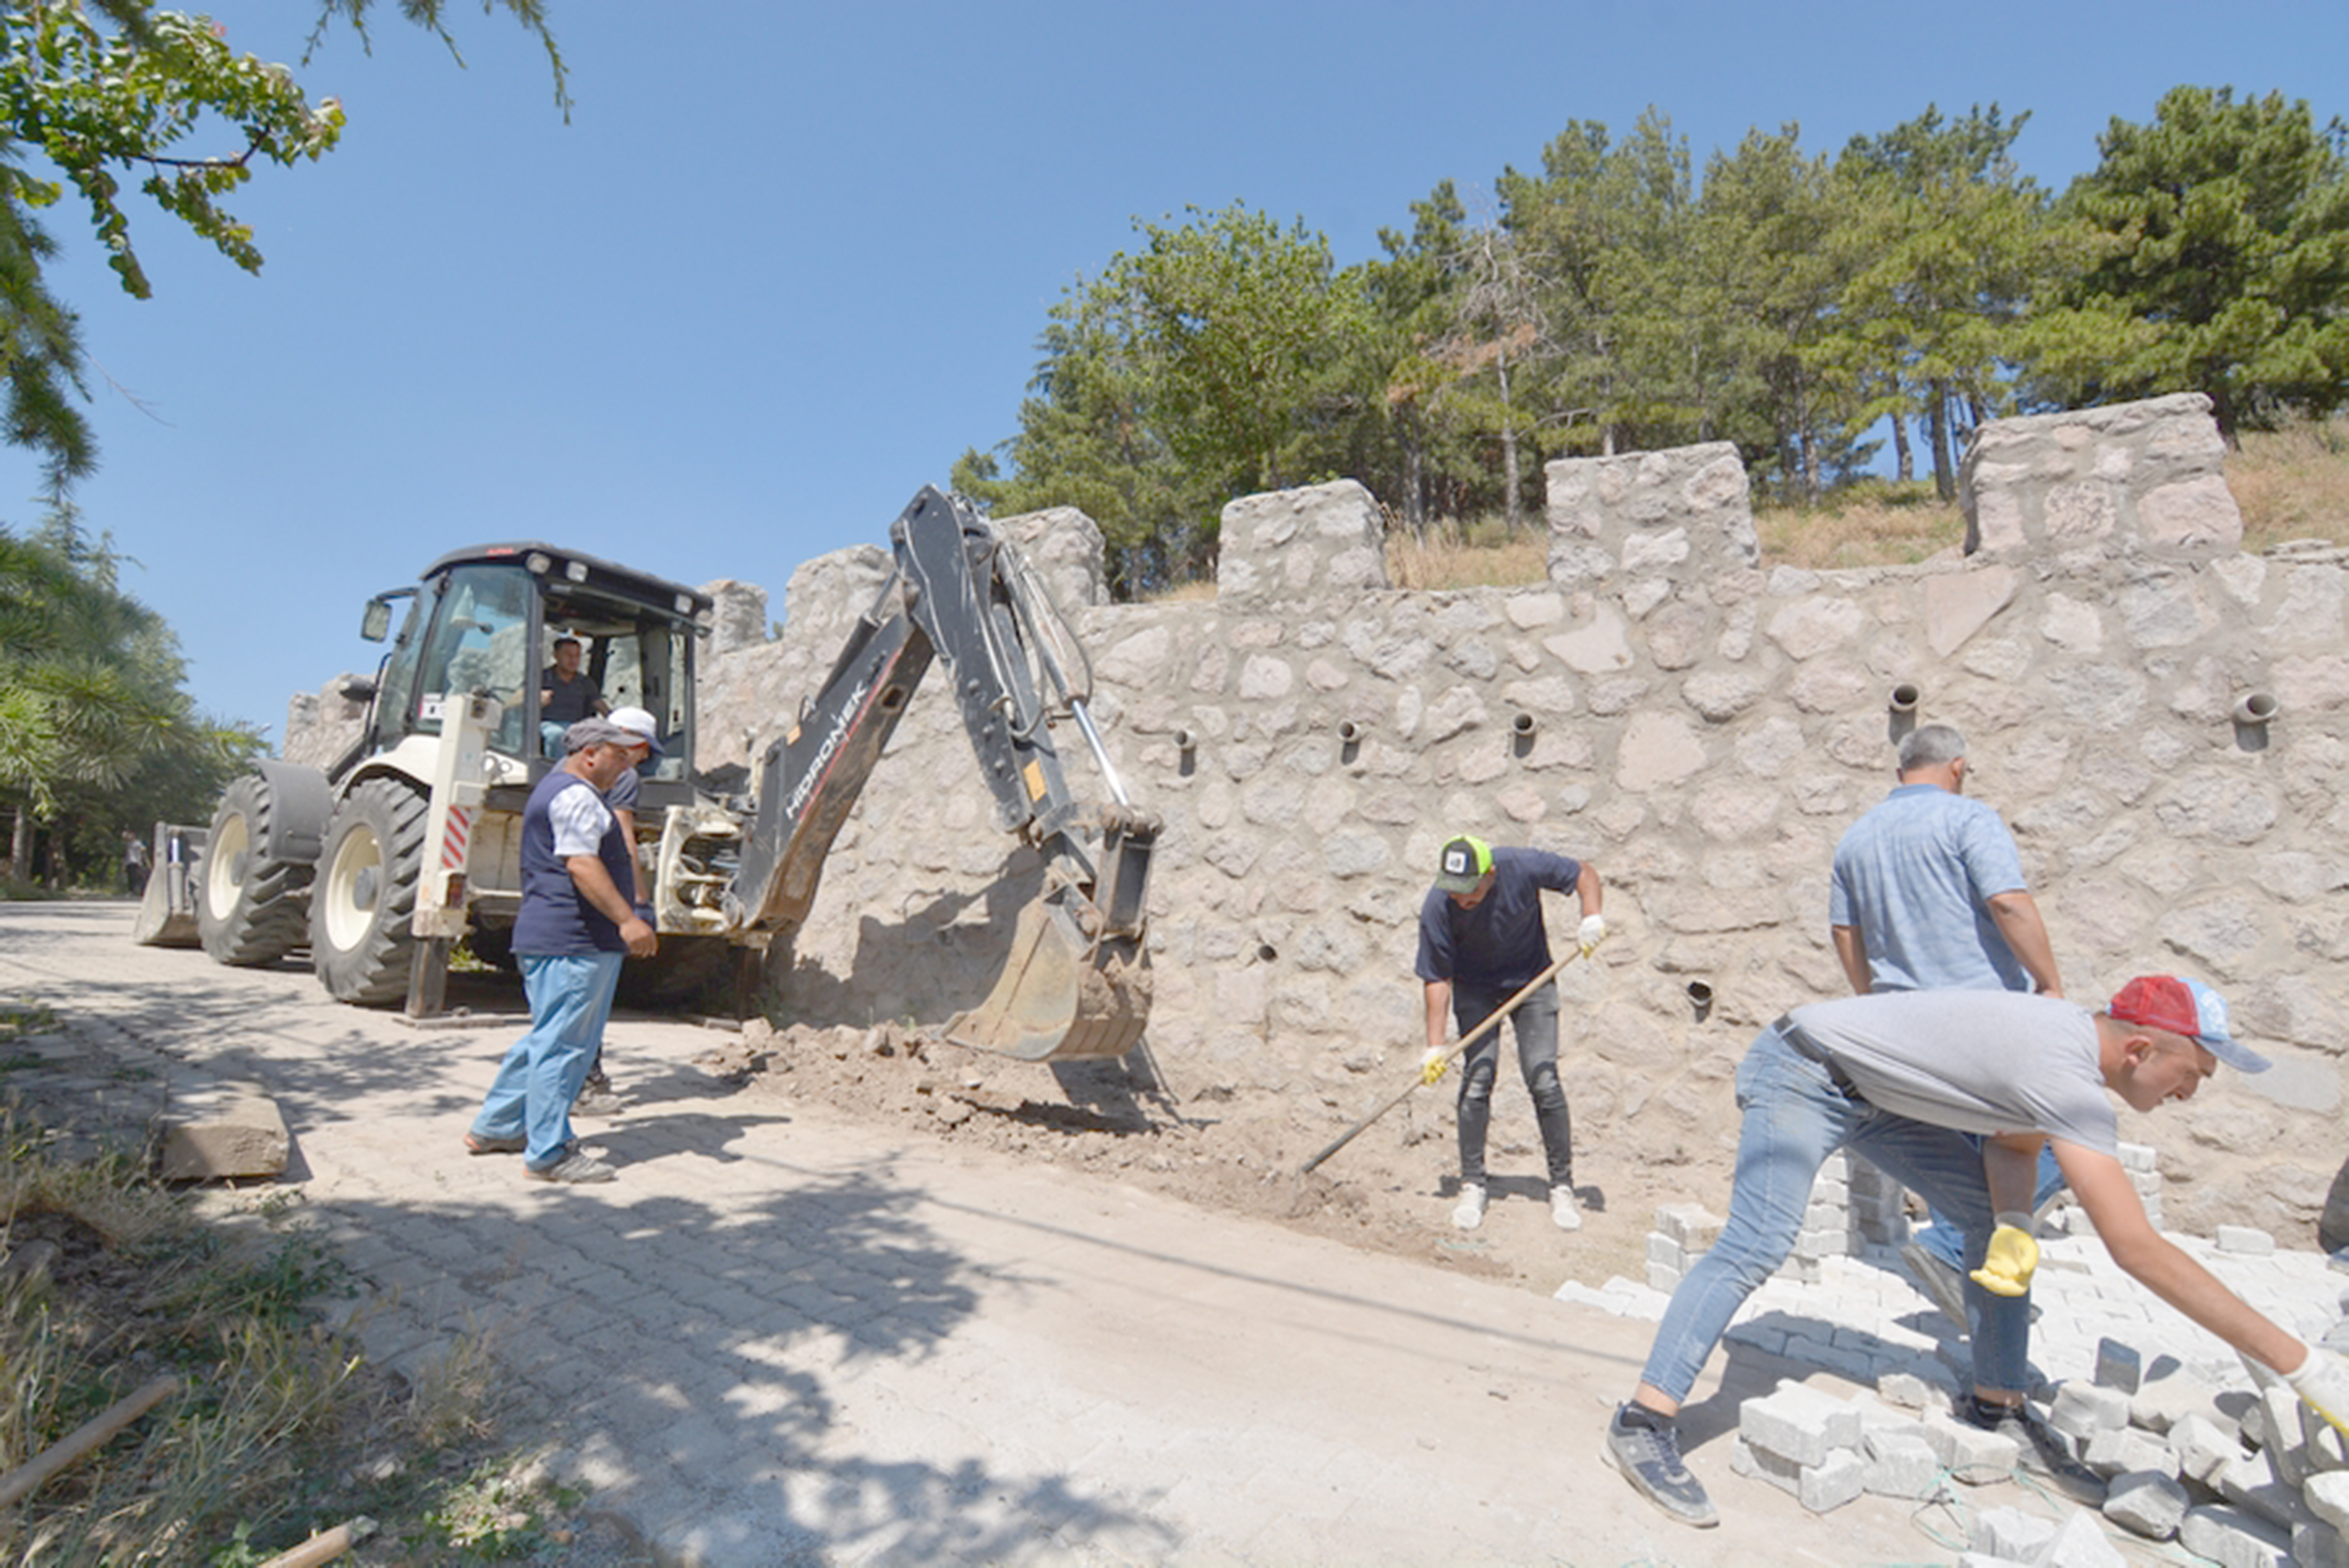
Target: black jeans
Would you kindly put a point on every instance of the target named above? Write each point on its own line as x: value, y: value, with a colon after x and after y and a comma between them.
x: 1536, y: 1024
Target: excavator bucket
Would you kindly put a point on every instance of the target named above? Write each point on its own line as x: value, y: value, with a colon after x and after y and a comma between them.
x: 1062, y: 997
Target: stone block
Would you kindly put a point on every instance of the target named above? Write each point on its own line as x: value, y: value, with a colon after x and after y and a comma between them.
x: 2202, y: 1447
x: 1973, y: 1455
x: 1901, y: 1465
x: 1663, y: 1277
x: 2146, y: 1503
x: 2317, y: 1545
x: 211, y: 1130
x: 2127, y: 1449
x: 1821, y: 1488
x: 2327, y: 1498
x: 2234, y: 1539
x: 2011, y: 1533
x: 1799, y: 1423
x: 1693, y: 1226
x: 2083, y: 1409
x: 2080, y: 1542
x: 2251, y: 1484
x: 2274, y: 1425
x: 1905, y: 1390
x: 2119, y: 1366
x: 2161, y: 1402
x: 2244, y: 1239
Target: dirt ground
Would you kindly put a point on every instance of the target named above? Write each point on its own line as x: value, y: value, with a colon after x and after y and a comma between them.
x: 1389, y: 1190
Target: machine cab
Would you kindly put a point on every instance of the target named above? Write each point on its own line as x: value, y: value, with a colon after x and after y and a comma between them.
x: 549, y: 633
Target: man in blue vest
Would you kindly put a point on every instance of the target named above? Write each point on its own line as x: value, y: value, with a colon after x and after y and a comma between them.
x: 1481, y: 941
x: 576, y: 925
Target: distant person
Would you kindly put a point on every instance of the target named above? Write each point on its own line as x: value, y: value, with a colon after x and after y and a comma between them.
x: 136, y: 863
x: 574, y: 927
x: 1928, y: 894
x: 1900, y: 1080
x: 596, y: 1097
x: 1481, y: 941
x: 566, y: 695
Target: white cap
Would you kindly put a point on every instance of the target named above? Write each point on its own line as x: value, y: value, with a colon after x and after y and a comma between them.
x: 639, y: 723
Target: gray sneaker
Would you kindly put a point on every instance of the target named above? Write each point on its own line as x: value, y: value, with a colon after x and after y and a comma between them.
x: 574, y: 1167
x: 1943, y: 1285
x: 596, y: 1097
x: 1648, y: 1456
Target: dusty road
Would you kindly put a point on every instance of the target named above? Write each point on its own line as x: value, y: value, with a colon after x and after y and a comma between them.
x: 781, y: 1337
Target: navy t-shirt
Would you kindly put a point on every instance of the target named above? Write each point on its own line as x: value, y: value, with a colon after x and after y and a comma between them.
x: 1502, y: 943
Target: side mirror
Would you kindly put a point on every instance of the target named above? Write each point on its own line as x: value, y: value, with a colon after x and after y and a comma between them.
x: 376, y: 624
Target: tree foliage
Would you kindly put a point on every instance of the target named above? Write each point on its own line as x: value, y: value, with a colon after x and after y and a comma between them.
x: 1793, y: 303
x: 95, y: 93
x: 2225, y: 260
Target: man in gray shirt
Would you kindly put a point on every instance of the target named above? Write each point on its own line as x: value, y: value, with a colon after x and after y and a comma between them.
x: 1927, y: 894
x: 1901, y: 1080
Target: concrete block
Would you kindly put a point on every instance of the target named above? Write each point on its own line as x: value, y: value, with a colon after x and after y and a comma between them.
x: 2245, y: 1240
x: 1973, y: 1455
x: 2234, y: 1539
x: 2139, y: 1157
x: 2274, y: 1424
x: 1901, y: 1465
x: 2147, y: 1504
x: 2203, y: 1448
x: 1820, y: 1488
x: 1799, y: 1423
x: 1663, y: 1277
x: 2083, y: 1409
x: 2327, y: 1448
x: 1664, y: 1250
x: 2161, y: 1401
x: 213, y: 1130
x: 1692, y: 1225
x: 2010, y: 1532
x: 2080, y: 1542
x: 2315, y: 1545
x: 2327, y: 1498
x: 2119, y: 1366
x: 2251, y: 1484
x: 2127, y: 1451
x: 1908, y: 1391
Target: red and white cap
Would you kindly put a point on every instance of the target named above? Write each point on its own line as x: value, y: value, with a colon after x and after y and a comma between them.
x: 2186, y: 1007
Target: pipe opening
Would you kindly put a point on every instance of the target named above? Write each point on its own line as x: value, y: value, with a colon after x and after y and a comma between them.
x: 2256, y: 707
x: 1700, y: 998
x: 1524, y: 724
x: 1185, y: 741
x: 1905, y: 697
x: 1349, y: 732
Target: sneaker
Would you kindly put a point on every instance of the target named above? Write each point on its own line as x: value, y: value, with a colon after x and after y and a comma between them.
x: 1646, y: 1450
x: 1942, y: 1284
x: 574, y: 1167
x: 2042, y: 1451
x: 596, y: 1097
x: 1471, y: 1210
x: 482, y: 1143
x: 1564, y: 1211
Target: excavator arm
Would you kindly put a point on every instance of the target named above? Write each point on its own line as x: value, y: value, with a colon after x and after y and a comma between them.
x: 1077, y: 983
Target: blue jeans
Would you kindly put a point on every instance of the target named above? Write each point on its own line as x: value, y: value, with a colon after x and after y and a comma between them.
x: 1794, y: 1117
x: 1536, y: 1023
x: 570, y: 997
x: 1946, y: 1240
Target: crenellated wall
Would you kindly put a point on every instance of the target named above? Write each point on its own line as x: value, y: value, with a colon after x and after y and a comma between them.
x: 1700, y: 727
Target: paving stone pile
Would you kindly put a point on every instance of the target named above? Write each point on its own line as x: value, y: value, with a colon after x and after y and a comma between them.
x: 2196, y: 1446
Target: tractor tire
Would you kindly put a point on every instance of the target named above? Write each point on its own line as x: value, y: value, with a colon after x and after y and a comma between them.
x: 250, y: 911
x: 362, y: 942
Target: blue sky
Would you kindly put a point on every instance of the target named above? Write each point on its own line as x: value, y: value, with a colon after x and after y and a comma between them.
x: 786, y: 262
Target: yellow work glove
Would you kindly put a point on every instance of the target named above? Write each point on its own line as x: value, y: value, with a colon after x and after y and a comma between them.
x: 2322, y: 1385
x: 1432, y: 1067
x: 2006, y: 1270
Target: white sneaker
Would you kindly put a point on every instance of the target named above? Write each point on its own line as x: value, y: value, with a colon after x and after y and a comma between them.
x: 1564, y: 1211
x: 1471, y: 1212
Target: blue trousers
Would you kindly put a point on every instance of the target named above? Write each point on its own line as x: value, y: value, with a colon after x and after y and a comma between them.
x: 570, y: 999
x: 1794, y: 1117
x: 1944, y: 1240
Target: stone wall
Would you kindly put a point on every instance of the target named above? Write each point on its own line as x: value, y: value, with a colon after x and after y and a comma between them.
x: 1700, y: 727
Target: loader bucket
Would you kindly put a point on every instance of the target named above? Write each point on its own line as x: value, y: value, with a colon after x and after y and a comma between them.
x: 1061, y: 997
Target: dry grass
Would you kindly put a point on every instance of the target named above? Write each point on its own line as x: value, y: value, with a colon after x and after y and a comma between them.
x: 2293, y: 483
x: 1481, y: 553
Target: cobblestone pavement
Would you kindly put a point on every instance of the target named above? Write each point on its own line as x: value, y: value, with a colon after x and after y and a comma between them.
x: 781, y: 1337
